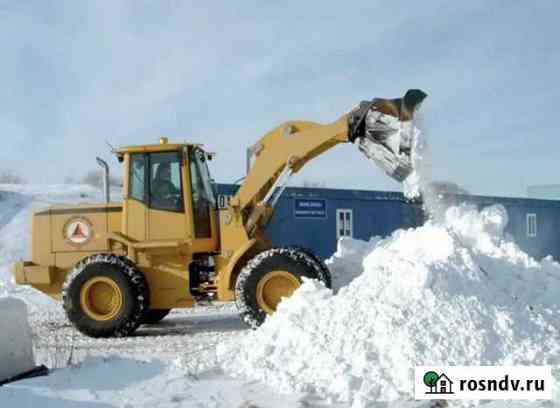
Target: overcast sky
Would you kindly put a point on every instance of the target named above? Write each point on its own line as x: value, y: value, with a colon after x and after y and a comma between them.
x: 74, y: 74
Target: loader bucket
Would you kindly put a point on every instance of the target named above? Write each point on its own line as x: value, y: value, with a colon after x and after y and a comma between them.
x: 384, y: 131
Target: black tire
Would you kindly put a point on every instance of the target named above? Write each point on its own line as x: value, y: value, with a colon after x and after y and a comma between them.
x: 297, y: 263
x: 154, y: 316
x: 131, y: 283
x: 323, y: 269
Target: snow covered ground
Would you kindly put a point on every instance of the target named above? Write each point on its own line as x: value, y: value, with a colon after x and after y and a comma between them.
x: 357, y: 346
x: 169, y: 364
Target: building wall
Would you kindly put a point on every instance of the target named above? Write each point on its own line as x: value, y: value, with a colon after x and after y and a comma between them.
x: 545, y: 192
x: 376, y: 213
x: 547, y: 214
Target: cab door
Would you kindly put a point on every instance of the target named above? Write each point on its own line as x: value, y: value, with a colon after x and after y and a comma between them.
x: 166, y: 207
x: 203, y: 203
x: 155, y: 208
x: 136, y: 200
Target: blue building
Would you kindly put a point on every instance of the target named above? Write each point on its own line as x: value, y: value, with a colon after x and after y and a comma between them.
x: 534, y: 224
x: 317, y: 217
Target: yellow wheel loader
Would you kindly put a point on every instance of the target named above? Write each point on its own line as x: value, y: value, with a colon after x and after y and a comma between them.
x: 116, y: 266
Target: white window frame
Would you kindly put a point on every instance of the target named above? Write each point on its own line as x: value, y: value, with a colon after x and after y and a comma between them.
x: 531, y: 225
x: 344, y: 225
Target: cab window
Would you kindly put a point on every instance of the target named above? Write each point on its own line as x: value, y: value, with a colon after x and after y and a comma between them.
x: 166, y: 188
x: 137, y: 188
x: 202, y: 194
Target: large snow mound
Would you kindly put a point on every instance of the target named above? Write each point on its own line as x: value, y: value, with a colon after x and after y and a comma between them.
x: 17, y: 204
x: 449, y: 293
x: 346, y: 263
x: 16, y: 345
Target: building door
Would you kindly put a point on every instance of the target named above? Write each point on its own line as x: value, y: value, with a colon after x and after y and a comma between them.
x: 344, y: 223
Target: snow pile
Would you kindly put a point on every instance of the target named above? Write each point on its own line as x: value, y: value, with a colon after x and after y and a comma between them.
x: 14, y: 236
x: 16, y: 346
x: 346, y: 263
x: 454, y: 293
x: 17, y: 204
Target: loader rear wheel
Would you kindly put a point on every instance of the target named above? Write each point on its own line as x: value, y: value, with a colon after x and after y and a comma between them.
x: 267, y: 278
x: 105, y: 296
x: 101, y: 298
x: 154, y: 316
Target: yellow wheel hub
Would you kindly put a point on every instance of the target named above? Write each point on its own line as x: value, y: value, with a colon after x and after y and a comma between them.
x: 273, y: 287
x: 101, y: 298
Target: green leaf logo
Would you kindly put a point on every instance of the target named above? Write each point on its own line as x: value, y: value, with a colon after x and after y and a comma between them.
x: 431, y: 378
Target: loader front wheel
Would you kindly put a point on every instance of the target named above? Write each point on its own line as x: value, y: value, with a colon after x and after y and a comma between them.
x: 101, y: 298
x: 322, y: 269
x: 268, y: 278
x: 105, y: 296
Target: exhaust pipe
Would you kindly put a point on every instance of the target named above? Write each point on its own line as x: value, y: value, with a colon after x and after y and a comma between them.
x: 106, y: 186
x: 384, y: 131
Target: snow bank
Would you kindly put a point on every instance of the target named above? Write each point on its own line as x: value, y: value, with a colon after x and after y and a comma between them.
x: 346, y: 262
x: 450, y: 293
x: 16, y: 346
x: 17, y: 204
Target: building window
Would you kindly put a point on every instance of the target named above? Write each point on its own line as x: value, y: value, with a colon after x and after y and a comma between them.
x: 344, y: 223
x: 531, y: 225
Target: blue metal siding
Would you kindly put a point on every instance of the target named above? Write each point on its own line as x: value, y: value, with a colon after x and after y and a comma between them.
x: 380, y: 213
x: 370, y: 217
x: 547, y: 240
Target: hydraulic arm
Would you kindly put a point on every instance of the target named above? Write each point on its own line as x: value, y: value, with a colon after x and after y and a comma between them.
x: 383, y: 129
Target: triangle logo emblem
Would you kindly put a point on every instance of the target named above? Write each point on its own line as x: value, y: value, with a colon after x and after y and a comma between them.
x: 78, y: 231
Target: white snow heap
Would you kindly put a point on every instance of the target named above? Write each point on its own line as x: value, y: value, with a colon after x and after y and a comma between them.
x: 17, y: 204
x: 346, y: 263
x: 16, y: 345
x: 455, y: 293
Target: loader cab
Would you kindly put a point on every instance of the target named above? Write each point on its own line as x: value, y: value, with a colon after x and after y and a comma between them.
x: 168, y: 195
